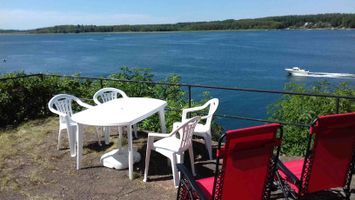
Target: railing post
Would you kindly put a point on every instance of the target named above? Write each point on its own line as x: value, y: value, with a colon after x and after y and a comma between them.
x: 337, y: 105
x: 189, y: 96
x: 101, y: 83
x: 43, y: 100
x: 189, y: 114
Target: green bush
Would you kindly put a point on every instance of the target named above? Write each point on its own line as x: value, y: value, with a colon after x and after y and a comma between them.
x: 305, y: 109
x: 26, y: 98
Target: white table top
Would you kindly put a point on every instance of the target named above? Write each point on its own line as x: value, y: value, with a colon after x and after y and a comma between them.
x: 119, y: 112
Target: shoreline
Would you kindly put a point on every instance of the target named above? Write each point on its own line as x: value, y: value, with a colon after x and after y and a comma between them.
x: 187, y: 31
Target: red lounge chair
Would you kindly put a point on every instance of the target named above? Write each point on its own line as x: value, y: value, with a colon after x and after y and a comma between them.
x: 249, y: 156
x: 329, y: 158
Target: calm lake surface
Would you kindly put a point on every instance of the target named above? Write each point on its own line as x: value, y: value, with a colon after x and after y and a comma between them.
x: 248, y: 59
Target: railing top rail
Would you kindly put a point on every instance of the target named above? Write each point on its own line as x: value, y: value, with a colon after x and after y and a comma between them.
x: 18, y: 77
x: 188, y: 85
x: 262, y: 120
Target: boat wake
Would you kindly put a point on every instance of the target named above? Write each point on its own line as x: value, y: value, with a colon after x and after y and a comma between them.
x: 296, y: 71
x: 330, y: 75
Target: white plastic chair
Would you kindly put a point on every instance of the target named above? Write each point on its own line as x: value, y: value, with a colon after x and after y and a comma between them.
x: 203, y: 130
x: 61, y: 105
x: 107, y: 94
x: 173, y: 146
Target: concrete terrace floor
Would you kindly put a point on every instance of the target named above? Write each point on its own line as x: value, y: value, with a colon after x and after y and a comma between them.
x: 31, y: 167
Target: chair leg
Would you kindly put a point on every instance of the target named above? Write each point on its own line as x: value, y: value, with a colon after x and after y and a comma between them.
x: 281, y: 185
x: 347, y: 194
x: 135, y: 130
x: 208, y: 144
x: 147, y: 159
x: 59, y: 138
x: 175, y: 170
x: 180, y: 158
x: 346, y: 189
x: 191, y: 155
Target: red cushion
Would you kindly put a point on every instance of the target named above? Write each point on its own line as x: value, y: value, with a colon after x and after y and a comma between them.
x: 206, y: 185
x: 295, y: 166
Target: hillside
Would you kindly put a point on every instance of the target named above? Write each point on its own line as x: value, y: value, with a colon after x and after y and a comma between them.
x: 335, y: 20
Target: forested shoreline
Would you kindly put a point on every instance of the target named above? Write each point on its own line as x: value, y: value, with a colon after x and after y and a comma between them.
x: 319, y: 21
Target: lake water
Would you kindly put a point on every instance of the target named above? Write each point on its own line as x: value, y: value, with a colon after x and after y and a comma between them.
x: 248, y: 59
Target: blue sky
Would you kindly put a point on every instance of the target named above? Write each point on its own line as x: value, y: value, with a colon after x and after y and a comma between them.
x: 27, y: 14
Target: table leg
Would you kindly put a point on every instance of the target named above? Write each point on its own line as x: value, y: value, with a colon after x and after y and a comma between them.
x: 130, y: 152
x: 107, y: 131
x: 162, y: 120
x: 120, y: 134
x: 79, y: 145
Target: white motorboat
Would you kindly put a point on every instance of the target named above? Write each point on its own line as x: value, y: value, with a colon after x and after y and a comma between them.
x: 296, y: 71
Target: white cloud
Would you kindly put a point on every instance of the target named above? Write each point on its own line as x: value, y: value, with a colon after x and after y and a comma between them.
x: 24, y: 19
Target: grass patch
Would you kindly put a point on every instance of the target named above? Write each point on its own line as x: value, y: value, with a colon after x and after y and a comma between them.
x: 7, y: 182
x: 21, y: 144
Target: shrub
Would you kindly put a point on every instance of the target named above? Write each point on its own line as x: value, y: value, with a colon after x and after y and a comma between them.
x: 305, y: 109
x: 26, y: 98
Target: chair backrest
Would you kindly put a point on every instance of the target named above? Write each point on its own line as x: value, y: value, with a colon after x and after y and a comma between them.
x: 108, y: 94
x: 186, y: 130
x: 328, y: 162
x: 61, y: 105
x: 213, y: 103
x: 249, y: 157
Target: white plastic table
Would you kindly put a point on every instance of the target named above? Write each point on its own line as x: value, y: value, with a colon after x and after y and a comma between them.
x: 118, y: 112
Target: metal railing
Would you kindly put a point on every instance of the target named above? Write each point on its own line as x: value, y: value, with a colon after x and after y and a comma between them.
x: 189, y: 89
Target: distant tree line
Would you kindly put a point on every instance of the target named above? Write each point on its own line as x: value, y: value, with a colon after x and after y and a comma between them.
x: 9, y: 31
x: 335, y: 20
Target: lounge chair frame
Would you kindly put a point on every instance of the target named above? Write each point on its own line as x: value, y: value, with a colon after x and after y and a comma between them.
x: 188, y: 189
x: 303, y: 183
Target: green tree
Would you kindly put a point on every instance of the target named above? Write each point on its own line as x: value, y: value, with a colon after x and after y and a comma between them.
x: 299, y: 109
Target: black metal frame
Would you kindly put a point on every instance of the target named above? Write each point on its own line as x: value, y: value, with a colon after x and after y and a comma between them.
x: 303, y: 183
x: 188, y: 183
x: 187, y: 186
x: 191, y: 86
x: 218, y: 173
x: 346, y: 189
x: 273, y: 166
